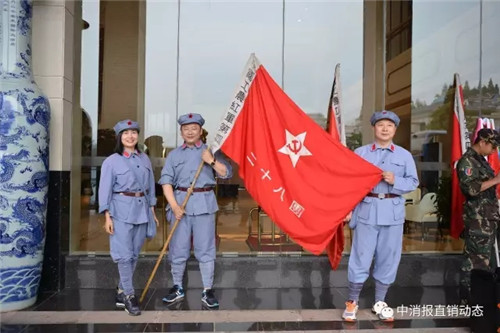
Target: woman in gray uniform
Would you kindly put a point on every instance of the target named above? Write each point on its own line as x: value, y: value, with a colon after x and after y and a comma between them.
x: 127, y: 199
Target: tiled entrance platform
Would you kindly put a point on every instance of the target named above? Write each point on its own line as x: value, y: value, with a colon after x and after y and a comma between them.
x: 280, y: 294
x: 262, y: 271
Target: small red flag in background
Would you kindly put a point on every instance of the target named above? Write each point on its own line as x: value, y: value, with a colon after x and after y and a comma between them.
x: 495, y: 163
x: 460, y: 141
x: 336, y: 128
x: 304, y: 180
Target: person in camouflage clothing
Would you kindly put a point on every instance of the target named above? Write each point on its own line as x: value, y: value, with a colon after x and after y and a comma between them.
x: 478, y: 184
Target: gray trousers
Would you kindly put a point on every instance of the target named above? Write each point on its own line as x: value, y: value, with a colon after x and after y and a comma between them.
x: 382, y: 243
x: 125, y: 246
x: 202, y: 227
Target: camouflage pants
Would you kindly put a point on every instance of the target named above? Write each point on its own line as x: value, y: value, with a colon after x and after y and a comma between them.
x: 478, y: 254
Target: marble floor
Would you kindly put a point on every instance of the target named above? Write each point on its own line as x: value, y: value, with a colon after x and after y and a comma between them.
x: 257, y: 310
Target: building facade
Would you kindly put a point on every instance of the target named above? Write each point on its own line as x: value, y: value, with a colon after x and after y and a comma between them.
x: 103, y: 61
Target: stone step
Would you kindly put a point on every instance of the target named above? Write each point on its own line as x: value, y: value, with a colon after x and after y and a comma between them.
x: 389, y: 330
x: 206, y: 316
x: 303, y: 271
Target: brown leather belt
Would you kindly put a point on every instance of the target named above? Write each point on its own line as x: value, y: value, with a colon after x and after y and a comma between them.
x: 383, y: 195
x: 131, y: 194
x: 196, y: 189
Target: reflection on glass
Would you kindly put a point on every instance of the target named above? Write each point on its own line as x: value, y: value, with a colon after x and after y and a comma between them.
x: 160, y: 113
x: 194, y: 56
x: 490, y: 63
x: 84, y: 227
x: 215, y: 41
x: 314, y: 43
x: 446, y: 40
x: 109, y: 93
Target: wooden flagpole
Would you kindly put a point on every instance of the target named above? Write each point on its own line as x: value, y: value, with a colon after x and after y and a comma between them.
x: 164, y: 249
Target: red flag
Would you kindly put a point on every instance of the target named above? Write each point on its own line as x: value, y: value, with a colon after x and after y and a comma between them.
x: 494, y: 160
x: 460, y: 142
x: 303, y: 179
x: 336, y: 128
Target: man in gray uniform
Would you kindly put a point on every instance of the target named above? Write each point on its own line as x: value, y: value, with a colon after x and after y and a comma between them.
x: 378, y: 219
x: 198, y: 217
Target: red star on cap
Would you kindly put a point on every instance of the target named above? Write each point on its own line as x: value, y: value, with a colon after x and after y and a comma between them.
x: 190, y: 116
x: 384, y: 112
x: 129, y: 123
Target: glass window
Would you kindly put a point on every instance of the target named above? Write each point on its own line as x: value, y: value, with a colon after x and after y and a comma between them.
x: 160, y: 107
x: 215, y: 40
x: 195, y: 51
x: 312, y: 48
x: 160, y: 96
x: 398, y: 27
x: 194, y: 55
x: 86, y: 225
x: 446, y: 39
x: 109, y: 92
x: 490, y: 62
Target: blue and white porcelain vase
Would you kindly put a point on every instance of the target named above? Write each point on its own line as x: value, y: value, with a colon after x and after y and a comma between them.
x: 24, y: 161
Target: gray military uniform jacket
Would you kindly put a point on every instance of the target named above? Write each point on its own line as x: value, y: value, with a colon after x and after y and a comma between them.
x: 117, y: 177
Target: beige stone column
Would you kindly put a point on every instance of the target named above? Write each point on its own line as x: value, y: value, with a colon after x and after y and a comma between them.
x: 373, y: 64
x: 56, y: 66
x: 53, y: 67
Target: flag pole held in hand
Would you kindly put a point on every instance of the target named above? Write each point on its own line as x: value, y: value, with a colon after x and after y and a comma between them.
x: 164, y: 249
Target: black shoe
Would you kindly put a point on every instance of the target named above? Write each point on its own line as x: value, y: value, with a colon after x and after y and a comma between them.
x: 131, y: 305
x: 176, y: 293
x: 208, y: 298
x: 120, y: 299
x: 177, y: 305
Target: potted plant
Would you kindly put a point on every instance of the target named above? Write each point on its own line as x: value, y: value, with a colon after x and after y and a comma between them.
x: 443, y: 201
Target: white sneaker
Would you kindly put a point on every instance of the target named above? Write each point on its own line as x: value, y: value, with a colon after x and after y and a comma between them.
x: 351, y: 308
x: 383, y: 311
